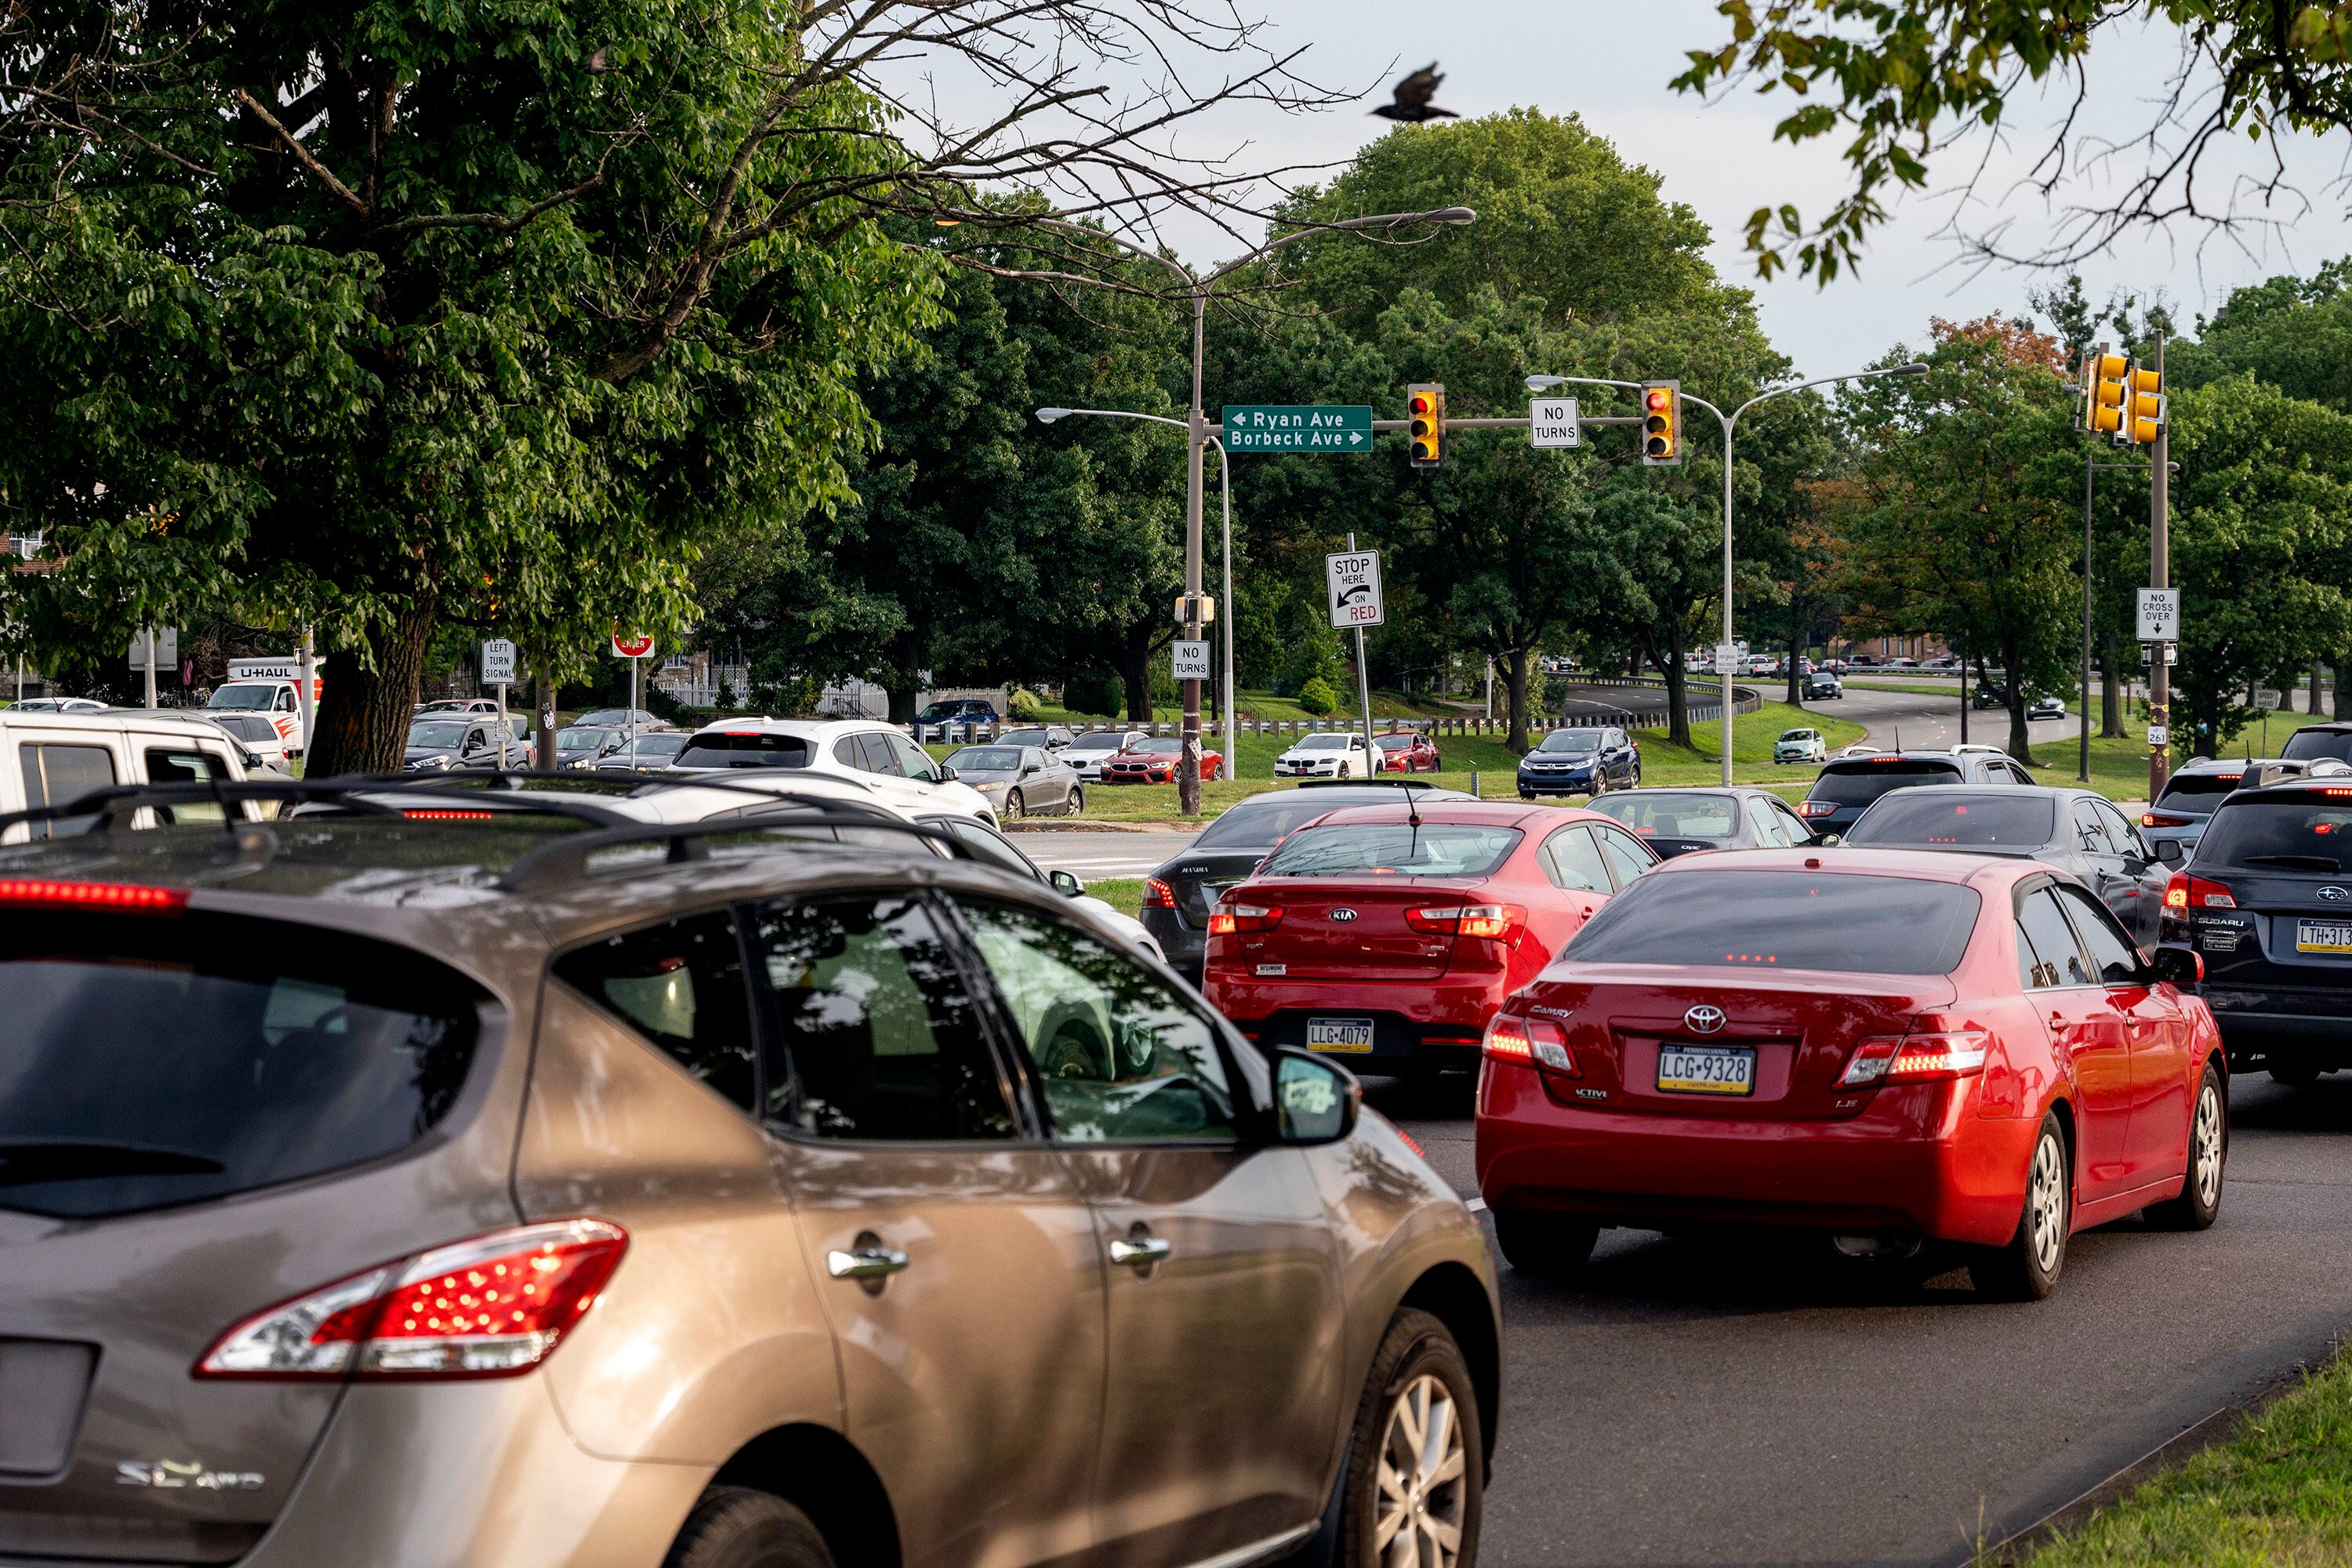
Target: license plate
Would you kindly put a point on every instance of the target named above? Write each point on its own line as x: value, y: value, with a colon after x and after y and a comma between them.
x: 1706, y: 1069
x: 2323, y: 936
x: 1339, y: 1034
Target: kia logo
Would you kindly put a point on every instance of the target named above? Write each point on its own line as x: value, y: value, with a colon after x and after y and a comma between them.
x: 2334, y: 895
x: 1343, y: 915
x: 1703, y: 1020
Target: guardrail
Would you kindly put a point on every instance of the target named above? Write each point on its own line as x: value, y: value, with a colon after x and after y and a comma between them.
x: 1744, y: 700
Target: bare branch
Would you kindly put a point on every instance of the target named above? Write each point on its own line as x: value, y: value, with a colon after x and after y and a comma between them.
x: 302, y: 155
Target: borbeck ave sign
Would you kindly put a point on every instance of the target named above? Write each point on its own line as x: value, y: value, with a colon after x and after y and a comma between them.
x: 1273, y: 427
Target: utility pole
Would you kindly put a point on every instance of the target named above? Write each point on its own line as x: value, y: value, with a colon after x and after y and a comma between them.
x: 2159, y: 566
x: 2083, y: 747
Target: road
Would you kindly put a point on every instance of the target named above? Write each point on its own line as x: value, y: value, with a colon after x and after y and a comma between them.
x: 1697, y: 1401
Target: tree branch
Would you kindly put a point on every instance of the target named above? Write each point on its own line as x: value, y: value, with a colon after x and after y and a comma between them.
x: 319, y: 170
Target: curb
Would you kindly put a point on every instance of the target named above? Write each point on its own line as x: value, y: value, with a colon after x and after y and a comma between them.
x: 1080, y: 825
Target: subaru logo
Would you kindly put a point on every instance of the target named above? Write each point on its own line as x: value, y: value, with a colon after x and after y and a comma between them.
x: 1343, y: 915
x: 2334, y: 895
x: 1703, y: 1020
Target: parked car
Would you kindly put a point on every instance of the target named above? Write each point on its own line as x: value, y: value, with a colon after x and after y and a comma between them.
x: 1407, y: 751
x: 587, y: 745
x: 1823, y: 686
x: 2195, y: 789
x: 1156, y: 758
x: 1090, y: 751
x: 864, y: 751
x: 1580, y: 761
x: 1862, y: 662
x: 1801, y: 745
x: 1391, y: 933
x: 52, y: 759
x: 2267, y: 901
x: 616, y: 719
x: 440, y: 741
x: 1847, y: 785
x: 57, y: 705
x: 458, y: 705
x: 1019, y: 781
x: 1679, y: 821
x: 949, y: 721
x: 2319, y: 742
x: 1329, y: 754
x: 1053, y: 737
x: 804, y: 1246
x: 647, y: 753
x: 2078, y: 830
x: 1895, y: 1048
x: 2046, y: 708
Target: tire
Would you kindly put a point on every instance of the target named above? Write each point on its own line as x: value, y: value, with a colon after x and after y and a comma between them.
x: 735, y: 1527
x: 1014, y: 806
x: 2027, y: 1267
x: 1419, y: 1386
x: 1547, y: 1246
x: 1078, y: 799
x: 2200, y: 1200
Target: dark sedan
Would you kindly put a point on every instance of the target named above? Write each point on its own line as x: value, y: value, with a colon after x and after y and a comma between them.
x: 2078, y: 830
x: 1677, y: 821
x: 1177, y: 896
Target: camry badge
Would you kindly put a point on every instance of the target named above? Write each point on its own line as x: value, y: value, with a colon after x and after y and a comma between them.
x: 1343, y: 915
x: 2334, y: 895
x: 1703, y: 1020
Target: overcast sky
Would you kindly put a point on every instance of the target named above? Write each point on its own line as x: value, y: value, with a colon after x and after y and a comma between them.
x: 1609, y: 62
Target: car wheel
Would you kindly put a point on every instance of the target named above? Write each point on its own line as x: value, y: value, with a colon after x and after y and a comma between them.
x: 1078, y: 799
x: 1547, y: 1246
x: 2026, y: 1269
x: 2199, y: 1202
x: 1014, y: 805
x: 1415, y: 1481
x: 735, y: 1527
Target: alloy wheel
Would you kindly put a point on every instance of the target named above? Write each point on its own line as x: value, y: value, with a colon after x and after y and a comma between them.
x: 2205, y: 1145
x: 2045, y: 1203
x: 1423, y: 1472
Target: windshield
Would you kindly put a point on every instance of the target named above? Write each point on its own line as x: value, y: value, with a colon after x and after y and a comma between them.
x: 1024, y: 737
x: 2307, y: 830
x: 1663, y: 813
x: 659, y: 745
x: 1392, y: 849
x: 938, y: 710
x: 1783, y: 919
x: 1098, y: 741
x: 1937, y: 821
x: 1799, y: 734
x: 2316, y: 745
x: 446, y: 736
x: 1571, y: 741
x: 1165, y: 746
x: 243, y: 697
x: 1327, y: 743
x: 1859, y: 783
x: 985, y: 759
x: 744, y: 749
x: 578, y: 740
x: 1396, y: 742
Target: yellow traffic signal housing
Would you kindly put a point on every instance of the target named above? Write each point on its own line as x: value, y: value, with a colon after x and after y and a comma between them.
x: 1662, y: 424
x: 2103, y: 392
x: 2144, y: 405
x: 1424, y: 404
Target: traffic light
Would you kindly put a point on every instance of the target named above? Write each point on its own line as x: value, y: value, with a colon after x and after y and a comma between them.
x: 2103, y: 392
x: 1662, y: 424
x: 2143, y: 409
x: 1425, y: 404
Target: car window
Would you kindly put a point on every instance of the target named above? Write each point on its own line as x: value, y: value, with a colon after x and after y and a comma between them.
x: 58, y: 775
x: 2120, y: 832
x: 1571, y: 859
x: 1121, y: 1058
x: 1934, y: 819
x: 910, y: 759
x: 285, y: 703
x: 1792, y: 826
x: 2055, y: 949
x: 1626, y: 855
x: 2030, y: 973
x: 987, y: 846
x: 2089, y: 831
x: 874, y: 756
x: 881, y: 1039
x: 847, y: 752
x: 1767, y: 824
x: 679, y: 985
x: 2112, y: 953
x: 184, y: 764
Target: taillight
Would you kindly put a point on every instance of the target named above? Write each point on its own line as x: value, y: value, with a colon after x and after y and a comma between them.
x: 1538, y: 1041
x: 491, y: 1307
x: 446, y: 813
x: 2188, y: 893
x: 1815, y: 807
x: 1158, y: 895
x: 1923, y: 1056
x: 1498, y: 922
x: 2159, y: 819
x: 122, y: 897
x: 1227, y: 919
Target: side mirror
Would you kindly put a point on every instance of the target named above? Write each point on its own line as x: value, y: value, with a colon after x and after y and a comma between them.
x: 1029, y: 769
x: 1827, y: 839
x: 1066, y: 884
x: 2167, y: 852
x: 2177, y: 966
x: 947, y: 773
x: 1315, y: 1100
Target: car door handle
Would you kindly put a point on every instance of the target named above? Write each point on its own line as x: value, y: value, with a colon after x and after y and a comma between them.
x: 1142, y: 1251
x: 864, y: 1262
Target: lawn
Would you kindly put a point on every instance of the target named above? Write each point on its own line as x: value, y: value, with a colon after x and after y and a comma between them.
x: 2279, y: 1492
x: 1124, y: 894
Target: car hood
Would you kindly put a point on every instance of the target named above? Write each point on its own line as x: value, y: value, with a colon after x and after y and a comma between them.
x: 430, y: 754
x: 1559, y: 756
x: 1302, y: 755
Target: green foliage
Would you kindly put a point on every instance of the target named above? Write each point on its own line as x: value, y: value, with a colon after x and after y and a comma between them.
x: 1022, y: 703
x: 1094, y: 692
x: 1318, y: 697
x: 2291, y: 332
x: 1314, y: 653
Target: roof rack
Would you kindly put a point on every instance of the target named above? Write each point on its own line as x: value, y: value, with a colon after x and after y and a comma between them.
x: 1374, y: 782
x: 566, y: 859
x: 114, y: 807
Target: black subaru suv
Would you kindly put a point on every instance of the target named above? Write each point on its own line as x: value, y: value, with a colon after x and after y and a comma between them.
x: 2267, y: 900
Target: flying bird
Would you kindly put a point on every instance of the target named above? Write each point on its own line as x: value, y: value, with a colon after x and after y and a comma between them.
x: 1412, y: 96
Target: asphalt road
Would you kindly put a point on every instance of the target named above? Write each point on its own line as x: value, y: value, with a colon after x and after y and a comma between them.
x: 1712, y: 1401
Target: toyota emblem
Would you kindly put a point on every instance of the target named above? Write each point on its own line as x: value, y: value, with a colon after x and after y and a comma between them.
x: 1343, y: 915
x: 2334, y: 895
x: 1703, y: 1020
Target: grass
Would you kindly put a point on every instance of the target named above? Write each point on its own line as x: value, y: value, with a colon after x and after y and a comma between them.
x: 1124, y: 894
x: 2279, y: 1492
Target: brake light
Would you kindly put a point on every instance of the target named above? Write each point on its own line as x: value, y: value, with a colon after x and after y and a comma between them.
x: 1922, y: 1055
x: 1886, y: 759
x: 2159, y: 819
x: 1228, y: 919
x: 1815, y: 807
x: 1497, y: 922
x: 2188, y: 893
x: 1537, y: 1041
x: 122, y: 897
x: 1158, y: 895
x: 495, y: 1306
x: 2338, y: 794
x: 441, y: 813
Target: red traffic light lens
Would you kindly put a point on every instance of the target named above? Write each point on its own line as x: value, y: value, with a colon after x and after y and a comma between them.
x: 1421, y: 404
x: 1659, y: 397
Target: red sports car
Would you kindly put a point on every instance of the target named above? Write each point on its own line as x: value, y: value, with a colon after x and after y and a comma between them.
x: 1894, y: 1047
x: 1391, y: 933
x: 1406, y: 751
x: 1155, y: 760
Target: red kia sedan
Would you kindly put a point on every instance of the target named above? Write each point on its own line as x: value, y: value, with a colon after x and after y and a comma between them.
x: 1156, y: 760
x: 1896, y: 1047
x: 1389, y: 934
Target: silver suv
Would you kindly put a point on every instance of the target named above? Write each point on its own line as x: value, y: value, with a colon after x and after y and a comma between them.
x: 451, y: 1179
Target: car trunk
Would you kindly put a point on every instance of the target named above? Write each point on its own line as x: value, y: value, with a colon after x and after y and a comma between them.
x: 1800, y: 1028
x: 1200, y: 879
x: 1353, y: 929
x: 2256, y: 943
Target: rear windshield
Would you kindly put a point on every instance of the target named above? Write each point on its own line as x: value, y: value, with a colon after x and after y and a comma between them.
x: 2315, y: 746
x: 1664, y: 814
x: 1859, y: 783
x: 2309, y: 830
x: 2212, y: 787
x: 160, y: 1060
x: 1990, y: 822
x: 1784, y: 920
x: 744, y: 749
x: 1392, y: 849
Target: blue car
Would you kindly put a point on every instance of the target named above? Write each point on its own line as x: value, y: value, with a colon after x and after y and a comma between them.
x: 1580, y: 761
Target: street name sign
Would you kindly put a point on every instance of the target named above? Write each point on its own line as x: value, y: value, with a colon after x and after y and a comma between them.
x: 2159, y: 615
x: 1552, y: 422
x: 1354, y: 581
x: 497, y: 662
x: 1282, y: 427
x: 1187, y: 661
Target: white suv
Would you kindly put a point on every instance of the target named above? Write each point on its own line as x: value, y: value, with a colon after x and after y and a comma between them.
x: 872, y: 753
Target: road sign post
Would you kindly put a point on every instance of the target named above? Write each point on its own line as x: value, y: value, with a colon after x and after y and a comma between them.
x: 1353, y: 579
x: 498, y: 670
x: 1297, y: 427
x: 632, y: 646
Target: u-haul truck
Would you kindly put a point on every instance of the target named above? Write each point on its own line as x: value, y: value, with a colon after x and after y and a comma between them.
x: 269, y: 687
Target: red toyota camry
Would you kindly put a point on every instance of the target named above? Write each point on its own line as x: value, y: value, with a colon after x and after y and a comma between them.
x: 1892, y: 1047
x: 1391, y: 933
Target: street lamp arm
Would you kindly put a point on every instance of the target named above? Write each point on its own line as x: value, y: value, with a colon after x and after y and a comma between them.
x: 1914, y: 368
x: 1048, y: 416
x: 1545, y: 382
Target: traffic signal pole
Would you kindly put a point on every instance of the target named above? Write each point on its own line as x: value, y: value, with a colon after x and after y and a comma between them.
x: 1196, y: 436
x: 2159, y: 566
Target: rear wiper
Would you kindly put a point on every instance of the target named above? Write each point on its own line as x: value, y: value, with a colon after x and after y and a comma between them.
x: 2296, y: 862
x: 24, y: 1161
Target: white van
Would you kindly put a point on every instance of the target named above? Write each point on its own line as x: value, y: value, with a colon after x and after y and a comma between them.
x: 54, y: 759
